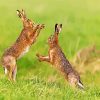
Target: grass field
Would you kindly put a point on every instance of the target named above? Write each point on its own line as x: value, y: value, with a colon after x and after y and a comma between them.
x: 40, y: 81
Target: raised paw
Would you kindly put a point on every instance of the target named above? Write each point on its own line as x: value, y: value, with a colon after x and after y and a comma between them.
x: 39, y: 57
x: 42, y: 26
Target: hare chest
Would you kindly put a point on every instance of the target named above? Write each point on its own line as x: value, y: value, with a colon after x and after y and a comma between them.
x: 53, y: 57
x: 24, y: 52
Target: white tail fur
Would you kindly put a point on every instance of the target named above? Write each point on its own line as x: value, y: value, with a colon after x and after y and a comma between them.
x: 80, y: 85
x: 6, y: 71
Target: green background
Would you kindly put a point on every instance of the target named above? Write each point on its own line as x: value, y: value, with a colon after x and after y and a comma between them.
x: 40, y: 81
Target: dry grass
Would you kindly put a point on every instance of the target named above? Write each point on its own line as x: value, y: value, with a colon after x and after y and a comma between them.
x: 87, y: 59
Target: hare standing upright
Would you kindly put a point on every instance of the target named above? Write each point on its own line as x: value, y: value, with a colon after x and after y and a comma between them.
x: 27, y: 37
x: 57, y: 58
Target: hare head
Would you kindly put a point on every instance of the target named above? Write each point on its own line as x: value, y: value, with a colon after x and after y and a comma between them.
x: 53, y: 39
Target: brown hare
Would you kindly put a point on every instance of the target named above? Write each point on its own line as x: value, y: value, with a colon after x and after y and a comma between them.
x: 26, y: 38
x: 57, y: 58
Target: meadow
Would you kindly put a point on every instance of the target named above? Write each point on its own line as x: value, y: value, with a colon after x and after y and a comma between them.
x: 40, y: 81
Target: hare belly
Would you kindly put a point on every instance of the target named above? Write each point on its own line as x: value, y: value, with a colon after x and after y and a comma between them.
x: 24, y: 52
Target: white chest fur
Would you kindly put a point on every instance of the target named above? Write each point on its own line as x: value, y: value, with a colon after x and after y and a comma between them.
x: 24, y: 51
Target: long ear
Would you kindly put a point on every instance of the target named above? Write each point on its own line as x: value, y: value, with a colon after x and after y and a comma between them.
x: 58, y: 28
x: 21, y: 14
x: 80, y: 85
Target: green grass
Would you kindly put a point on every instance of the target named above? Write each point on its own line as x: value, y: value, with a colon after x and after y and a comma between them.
x: 40, y: 81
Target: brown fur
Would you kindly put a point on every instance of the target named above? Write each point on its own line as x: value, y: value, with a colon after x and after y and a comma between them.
x: 57, y: 58
x: 27, y: 37
x: 87, y: 59
x: 84, y: 54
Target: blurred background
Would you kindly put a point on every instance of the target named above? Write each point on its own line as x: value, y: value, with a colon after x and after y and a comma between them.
x: 81, y: 29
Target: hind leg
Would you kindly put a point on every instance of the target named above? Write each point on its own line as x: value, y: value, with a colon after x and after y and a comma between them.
x: 14, y: 73
x: 10, y: 75
x: 9, y: 63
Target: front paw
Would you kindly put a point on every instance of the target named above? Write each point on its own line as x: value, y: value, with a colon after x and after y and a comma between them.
x: 38, y: 56
x: 41, y: 26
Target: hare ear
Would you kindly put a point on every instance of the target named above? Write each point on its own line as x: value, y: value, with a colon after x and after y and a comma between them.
x: 58, y: 28
x: 80, y: 85
x: 19, y: 13
x: 60, y: 25
x: 23, y: 12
